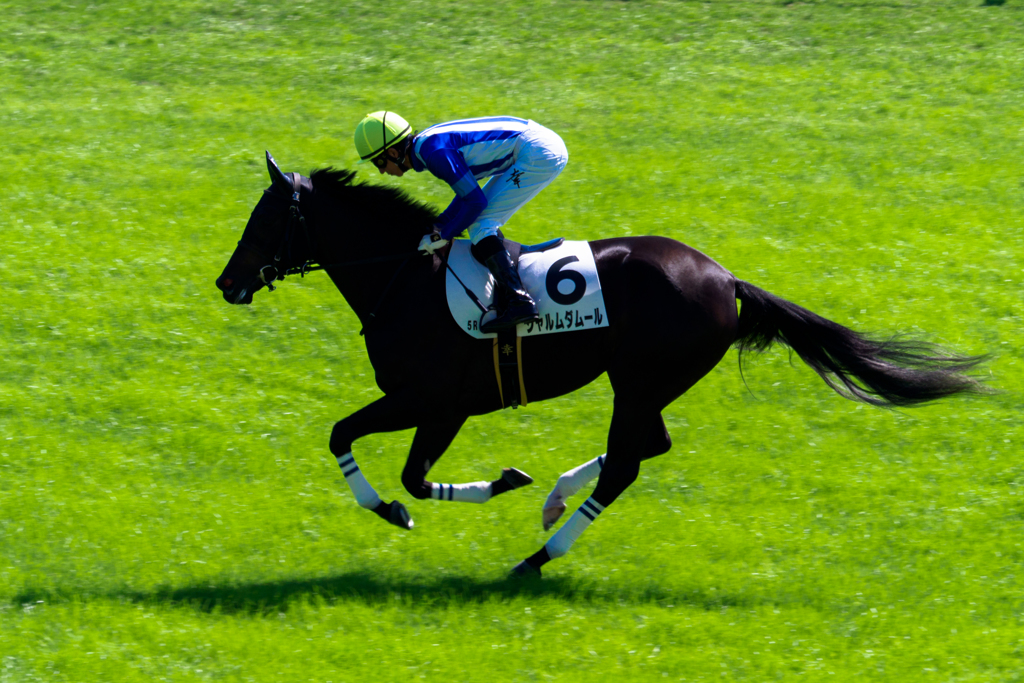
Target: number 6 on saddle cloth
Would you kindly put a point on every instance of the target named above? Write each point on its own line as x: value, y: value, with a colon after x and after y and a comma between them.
x: 560, y: 276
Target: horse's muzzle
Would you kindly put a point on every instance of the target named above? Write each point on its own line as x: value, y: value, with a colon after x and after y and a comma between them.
x: 235, y: 292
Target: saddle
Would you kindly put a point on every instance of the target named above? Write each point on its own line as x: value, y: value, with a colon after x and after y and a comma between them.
x: 532, y: 248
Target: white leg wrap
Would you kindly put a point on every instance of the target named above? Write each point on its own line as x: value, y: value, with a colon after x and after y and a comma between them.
x: 572, y: 481
x: 361, y: 489
x: 560, y: 543
x: 477, y: 492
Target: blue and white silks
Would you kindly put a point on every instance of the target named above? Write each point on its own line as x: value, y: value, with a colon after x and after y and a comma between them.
x: 520, y: 158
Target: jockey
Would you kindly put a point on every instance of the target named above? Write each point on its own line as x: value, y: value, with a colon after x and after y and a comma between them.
x: 519, y: 158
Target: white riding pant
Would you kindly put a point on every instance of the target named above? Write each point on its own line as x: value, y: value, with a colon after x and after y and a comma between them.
x: 540, y: 155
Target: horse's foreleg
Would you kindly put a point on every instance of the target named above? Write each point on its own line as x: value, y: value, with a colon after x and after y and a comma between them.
x: 429, y: 444
x: 481, y: 491
x: 388, y: 414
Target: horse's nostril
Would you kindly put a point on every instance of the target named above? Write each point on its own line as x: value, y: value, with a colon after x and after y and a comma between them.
x: 228, y: 282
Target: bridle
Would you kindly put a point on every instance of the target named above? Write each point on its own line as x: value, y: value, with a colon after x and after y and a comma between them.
x: 296, y: 224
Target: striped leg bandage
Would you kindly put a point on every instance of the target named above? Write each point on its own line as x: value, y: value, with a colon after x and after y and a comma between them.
x: 361, y: 489
x: 477, y: 492
x: 572, y: 481
x: 562, y: 540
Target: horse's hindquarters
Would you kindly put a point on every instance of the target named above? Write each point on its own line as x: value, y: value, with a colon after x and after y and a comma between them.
x: 671, y: 313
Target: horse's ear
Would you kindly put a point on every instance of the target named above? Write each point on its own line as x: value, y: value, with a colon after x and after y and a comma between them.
x: 279, y: 180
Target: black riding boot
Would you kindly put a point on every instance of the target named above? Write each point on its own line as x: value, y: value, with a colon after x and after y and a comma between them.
x: 514, y: 304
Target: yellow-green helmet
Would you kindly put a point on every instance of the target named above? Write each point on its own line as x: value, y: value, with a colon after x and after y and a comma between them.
x: 379, y: 131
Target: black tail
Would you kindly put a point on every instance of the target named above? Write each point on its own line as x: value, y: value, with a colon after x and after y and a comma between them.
x: 882, y: 373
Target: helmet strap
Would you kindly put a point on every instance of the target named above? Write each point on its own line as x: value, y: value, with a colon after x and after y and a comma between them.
x: 403, y: 152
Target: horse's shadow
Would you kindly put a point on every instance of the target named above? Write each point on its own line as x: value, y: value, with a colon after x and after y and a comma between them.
x: 370, y: 588
x: 360, y: 586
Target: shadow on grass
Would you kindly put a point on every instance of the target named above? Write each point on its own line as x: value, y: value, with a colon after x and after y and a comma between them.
x: 369, y: 588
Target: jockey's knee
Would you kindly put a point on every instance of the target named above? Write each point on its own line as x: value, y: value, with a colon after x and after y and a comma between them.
x: 416, y: 485
x: 341, y: 440
x: 487, y: 246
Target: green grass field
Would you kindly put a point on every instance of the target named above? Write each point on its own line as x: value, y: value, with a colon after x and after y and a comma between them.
x: 169, y: 510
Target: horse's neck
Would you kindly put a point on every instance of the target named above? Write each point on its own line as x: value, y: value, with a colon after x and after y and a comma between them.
x: 364, y: 285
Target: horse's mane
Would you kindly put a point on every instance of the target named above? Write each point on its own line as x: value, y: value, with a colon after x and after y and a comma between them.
x: 339, y: 185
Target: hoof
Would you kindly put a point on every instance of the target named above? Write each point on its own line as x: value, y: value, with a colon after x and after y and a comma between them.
x: 523, y: 569
x: 515, y: 478
x: 400, y: 516
x: 552, y: 515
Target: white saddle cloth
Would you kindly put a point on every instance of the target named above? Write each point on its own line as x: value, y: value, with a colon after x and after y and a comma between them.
x: 563, y: 281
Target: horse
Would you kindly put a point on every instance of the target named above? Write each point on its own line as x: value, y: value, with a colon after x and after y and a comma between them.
x: 672, y: 315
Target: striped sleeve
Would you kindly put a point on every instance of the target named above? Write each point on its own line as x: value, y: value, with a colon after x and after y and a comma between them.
x: 469, y: 202
x: 449, y: 166
x: 461, y: 213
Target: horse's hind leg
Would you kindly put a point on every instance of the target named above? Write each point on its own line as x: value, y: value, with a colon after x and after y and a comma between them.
x: 429, y: 444
x: 627, y: 440
x: 637, y: 433
x: 658, y: 443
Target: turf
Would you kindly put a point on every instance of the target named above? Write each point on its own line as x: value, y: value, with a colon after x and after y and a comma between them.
x: 168, y: 506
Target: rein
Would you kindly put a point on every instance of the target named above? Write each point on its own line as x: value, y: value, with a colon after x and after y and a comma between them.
x: 308, y: 266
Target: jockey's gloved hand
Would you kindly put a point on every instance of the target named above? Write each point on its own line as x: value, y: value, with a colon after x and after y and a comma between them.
x: 431, y: 242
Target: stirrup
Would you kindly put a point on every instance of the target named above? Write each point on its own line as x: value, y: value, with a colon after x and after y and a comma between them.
x: 504, y: 322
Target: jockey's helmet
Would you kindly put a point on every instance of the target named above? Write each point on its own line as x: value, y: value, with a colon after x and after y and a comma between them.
x: 379, y: 131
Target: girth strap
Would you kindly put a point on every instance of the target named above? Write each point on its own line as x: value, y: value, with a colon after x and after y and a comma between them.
x: 508, y: 368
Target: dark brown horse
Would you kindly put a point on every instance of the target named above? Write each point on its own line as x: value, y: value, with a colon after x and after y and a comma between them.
x: 672, y: 316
